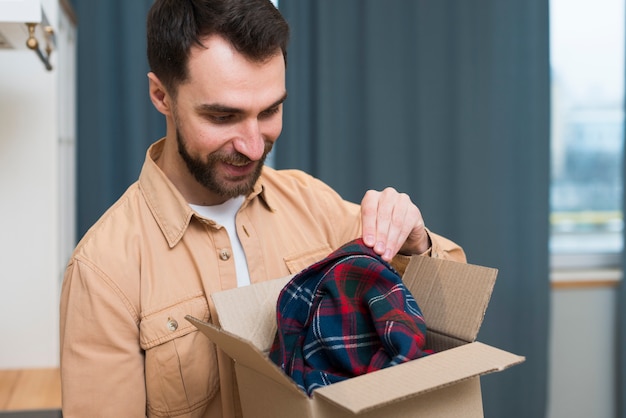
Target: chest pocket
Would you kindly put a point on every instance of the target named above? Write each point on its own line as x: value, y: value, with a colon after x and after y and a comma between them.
x: 180, y: 363
x: 299, y: 261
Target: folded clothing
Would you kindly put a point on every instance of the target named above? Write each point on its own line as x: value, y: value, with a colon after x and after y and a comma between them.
x: 345, y: 316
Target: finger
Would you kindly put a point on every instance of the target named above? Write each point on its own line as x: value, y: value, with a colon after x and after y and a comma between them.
x: 400, y: 225
x: 384, y: 215
x: 417, y: 241
x: 369, y: 209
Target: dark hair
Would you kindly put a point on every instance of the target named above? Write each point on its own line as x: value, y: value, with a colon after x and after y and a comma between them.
x: 254, y: 27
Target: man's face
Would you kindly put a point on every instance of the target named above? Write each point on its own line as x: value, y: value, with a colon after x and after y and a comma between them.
x: 207, y: 172
x: 227, y: 116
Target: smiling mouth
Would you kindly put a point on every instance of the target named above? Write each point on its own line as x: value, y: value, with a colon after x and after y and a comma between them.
x: 239, y: 169
x: 238, y: 163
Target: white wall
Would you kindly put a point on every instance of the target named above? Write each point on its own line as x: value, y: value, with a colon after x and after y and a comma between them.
x: 583, y: 353
x: 35, y: 187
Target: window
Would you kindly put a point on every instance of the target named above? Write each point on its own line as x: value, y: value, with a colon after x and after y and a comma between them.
x: 587, y: 67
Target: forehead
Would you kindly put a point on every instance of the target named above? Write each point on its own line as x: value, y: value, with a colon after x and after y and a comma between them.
x: 219, y: 73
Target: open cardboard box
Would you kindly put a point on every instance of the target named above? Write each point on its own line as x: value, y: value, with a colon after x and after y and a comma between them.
x: 453, y: 298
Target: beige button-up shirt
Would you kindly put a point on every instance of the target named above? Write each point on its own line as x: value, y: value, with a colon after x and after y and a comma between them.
x: 126, y: 349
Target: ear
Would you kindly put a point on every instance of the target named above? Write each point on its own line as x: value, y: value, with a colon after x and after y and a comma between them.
x: 158, y: 94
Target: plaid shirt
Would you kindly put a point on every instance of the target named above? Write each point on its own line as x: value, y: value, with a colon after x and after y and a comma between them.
x: 344, y: 316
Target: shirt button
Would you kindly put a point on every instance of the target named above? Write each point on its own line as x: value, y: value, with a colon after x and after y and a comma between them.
x: 225, y: 254
x: 172, y: 325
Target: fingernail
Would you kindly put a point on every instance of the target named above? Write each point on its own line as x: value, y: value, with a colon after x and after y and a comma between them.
x: 369, y: 240
x: 380, y: 247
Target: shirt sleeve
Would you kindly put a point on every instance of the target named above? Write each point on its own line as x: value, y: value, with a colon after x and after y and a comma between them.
x: 440, y: 247
x: 102, y: 367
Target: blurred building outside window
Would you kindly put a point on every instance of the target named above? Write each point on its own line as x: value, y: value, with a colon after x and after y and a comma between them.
x: 587, y: 116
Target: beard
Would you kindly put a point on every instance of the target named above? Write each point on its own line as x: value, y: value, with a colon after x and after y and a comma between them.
x: 206, y: 172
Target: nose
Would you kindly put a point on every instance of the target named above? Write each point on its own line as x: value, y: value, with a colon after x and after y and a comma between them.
x: 250, y: 141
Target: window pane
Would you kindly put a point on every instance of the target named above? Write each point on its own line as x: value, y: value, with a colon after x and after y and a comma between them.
x: 587, y: 64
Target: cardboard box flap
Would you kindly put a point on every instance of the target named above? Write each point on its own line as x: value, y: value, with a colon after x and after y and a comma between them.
x: 453, y: 296
x: 244, y: 352
x: 250, y: 311
x: 393, y: 384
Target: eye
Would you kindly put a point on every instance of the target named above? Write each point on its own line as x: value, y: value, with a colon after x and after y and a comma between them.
x: 221, y: 117
x: 269, y: 112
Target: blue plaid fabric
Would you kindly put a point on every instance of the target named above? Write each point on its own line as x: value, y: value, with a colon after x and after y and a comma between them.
x: 344, y: 316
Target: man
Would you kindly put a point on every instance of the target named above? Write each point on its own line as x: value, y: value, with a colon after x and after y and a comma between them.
x: 205, y: 215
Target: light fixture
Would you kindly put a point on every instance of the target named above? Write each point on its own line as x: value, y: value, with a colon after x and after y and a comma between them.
x: 24, y: 25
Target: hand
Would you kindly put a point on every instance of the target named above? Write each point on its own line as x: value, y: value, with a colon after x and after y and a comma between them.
x: 392, y: 224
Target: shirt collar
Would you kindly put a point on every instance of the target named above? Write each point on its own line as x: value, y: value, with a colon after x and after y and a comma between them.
x: 169, y: 208
x: 262, y: 192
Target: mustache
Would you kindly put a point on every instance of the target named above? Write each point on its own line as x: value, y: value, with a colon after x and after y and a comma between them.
x: 237, y: 158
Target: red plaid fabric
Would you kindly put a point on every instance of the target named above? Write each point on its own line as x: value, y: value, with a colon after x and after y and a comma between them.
x: 344, y: 316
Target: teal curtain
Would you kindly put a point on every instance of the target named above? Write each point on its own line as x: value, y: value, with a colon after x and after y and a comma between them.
x: 116, y: 120
x: 448, y: 101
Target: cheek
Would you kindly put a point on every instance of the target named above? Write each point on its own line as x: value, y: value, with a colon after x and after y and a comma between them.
x: 195, y: 131
x: 202, y: 137
x: 273, y: 130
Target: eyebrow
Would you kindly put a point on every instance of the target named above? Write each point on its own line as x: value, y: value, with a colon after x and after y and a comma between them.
x: 220, y: 108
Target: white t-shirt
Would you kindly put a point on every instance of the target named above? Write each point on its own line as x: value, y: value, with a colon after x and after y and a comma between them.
x: 224, y: 215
